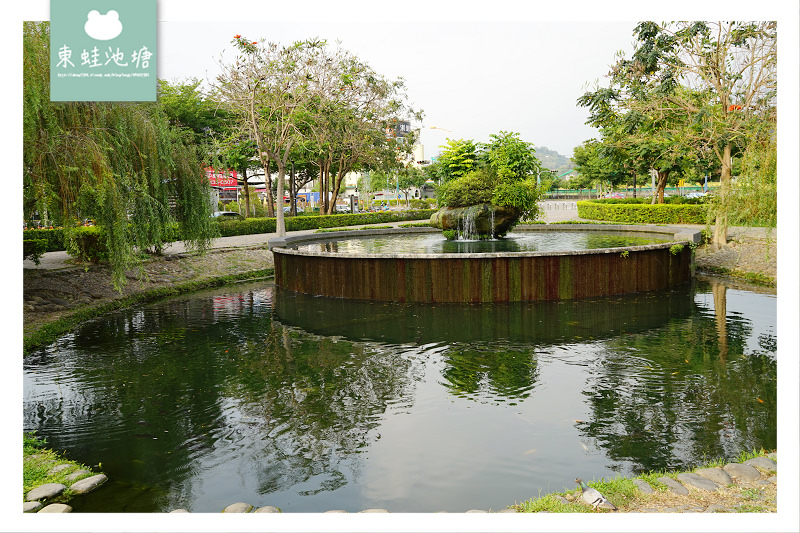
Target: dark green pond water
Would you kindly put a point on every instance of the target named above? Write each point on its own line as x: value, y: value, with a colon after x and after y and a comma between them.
x: 253, y: 394
x: 522, y: 241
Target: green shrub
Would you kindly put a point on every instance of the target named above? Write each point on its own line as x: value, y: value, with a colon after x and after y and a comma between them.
x: 425, y: 203
x: 473, y: 188
x: 523, y: 195
x: 53, y: 237
x: 87, y: 243
x: 627, y: 212
x: 33, y: 249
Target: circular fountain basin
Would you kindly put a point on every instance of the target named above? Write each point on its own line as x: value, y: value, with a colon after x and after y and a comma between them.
x: 504, y: 276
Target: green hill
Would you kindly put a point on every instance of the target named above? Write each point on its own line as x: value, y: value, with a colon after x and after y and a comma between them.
x: 553, y: 160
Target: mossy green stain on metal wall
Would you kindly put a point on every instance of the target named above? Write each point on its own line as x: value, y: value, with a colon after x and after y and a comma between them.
x: 514, y: 280
x: 566, y: 285
x: 487, y: 280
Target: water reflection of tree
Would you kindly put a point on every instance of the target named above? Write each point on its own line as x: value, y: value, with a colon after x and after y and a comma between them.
x: 497, y: 371
x: 314, y: 402
x: 687, y: 390
x: 166, y: 387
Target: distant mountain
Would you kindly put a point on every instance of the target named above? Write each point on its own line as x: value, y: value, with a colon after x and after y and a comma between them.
x: 553, y: 160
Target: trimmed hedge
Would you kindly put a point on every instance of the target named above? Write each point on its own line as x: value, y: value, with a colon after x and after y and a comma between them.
x: 251, y: 226
x: 53, y: 237
x: 639, y: 213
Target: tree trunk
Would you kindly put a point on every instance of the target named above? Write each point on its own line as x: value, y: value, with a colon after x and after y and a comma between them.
x: 720, y: 237
x: 337, y: 183
x: 658, y: 194
x: 268, y: 185
x: 292, y: 193
x: 280, y: 223
x: 324, y: 177
x: 634, y: 183
x: 246, y: 194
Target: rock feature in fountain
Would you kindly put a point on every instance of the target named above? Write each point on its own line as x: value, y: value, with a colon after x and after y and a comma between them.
x: 480, y: 221
x: 488, y: 188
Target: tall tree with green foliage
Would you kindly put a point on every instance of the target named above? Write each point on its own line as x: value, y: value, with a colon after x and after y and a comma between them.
x: 306, y: 98
x: 189, y: 107
x: 722, y: 76
x: 120, y: 164
x: 592, y: 164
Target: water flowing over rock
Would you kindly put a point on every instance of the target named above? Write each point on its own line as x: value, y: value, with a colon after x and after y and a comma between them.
x: 476, y: 221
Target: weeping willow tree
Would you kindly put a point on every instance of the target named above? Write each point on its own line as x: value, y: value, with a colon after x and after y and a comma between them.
x: 120, y: 164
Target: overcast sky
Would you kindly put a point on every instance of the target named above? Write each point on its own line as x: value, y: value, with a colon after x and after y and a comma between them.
x: 472, y: 78
x: 473, y: 67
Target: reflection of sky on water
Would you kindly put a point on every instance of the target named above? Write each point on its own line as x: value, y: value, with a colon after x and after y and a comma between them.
x: 759, y: 313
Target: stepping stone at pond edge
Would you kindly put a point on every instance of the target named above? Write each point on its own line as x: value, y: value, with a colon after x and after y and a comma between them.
x: 336, y: 511
x: 762, y: 462
x: 477, y: 511
x: 56, y: 508
x: 717, y: 475
x: 59, y: 468
x: 507, y: 511
x: 76, y: 474
x: 179, y: 511
x: 48, y: 490
x: 238, y: 507
x: 561, y: 499
x: 673, y: 485
x: 89, y: 484
x: 31, y: 507
x: 697, y: 481
x: 772, y: 479
x: 716, y: 508
x: 268, y: 509
x: 643, y: 486
x: 773, y: 456
x: 374, y: 511
x: 742, y: 472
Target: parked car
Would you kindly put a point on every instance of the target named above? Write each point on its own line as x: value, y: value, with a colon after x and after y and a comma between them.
x: 227, y: 215
x: 614, y: 195
x: 696, y: 194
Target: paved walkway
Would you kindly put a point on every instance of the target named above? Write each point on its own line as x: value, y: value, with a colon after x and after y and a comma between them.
x: 553, y: 211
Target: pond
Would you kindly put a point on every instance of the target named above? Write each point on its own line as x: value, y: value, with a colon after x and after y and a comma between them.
x: 252, y: 393
x: 522, y: 241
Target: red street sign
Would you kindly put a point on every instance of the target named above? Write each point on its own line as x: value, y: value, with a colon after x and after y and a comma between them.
x: 221, y: 178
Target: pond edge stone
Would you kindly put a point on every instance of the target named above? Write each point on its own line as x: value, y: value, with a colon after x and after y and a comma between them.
x: 743, y: 472
x: 698, y: 481
x: 48, y: 490
x: 717, y: 475
x: 88, y: 484
x: 673, y: 485
x: 56, y: 508
x: 763, y: 463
